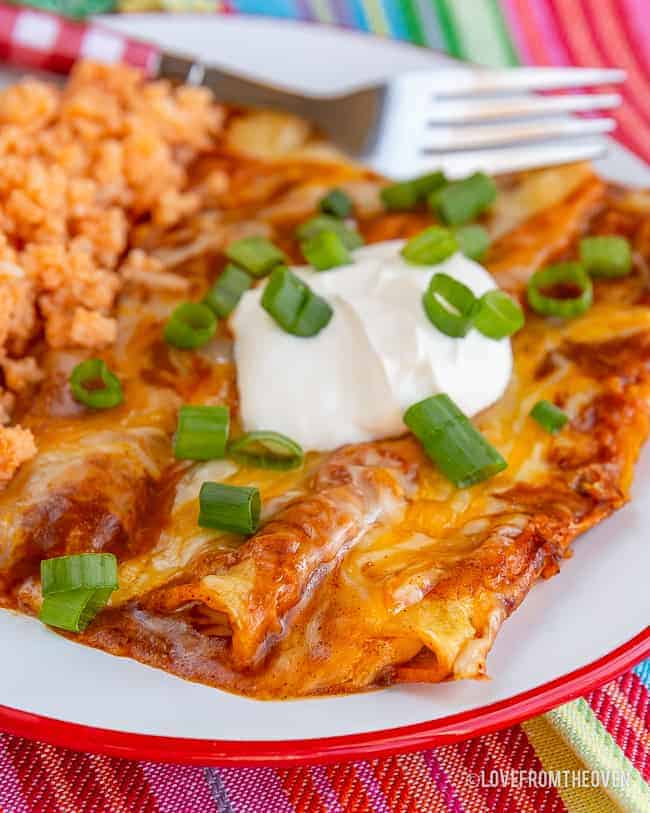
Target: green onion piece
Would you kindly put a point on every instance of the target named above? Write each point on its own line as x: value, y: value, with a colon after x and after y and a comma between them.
x: 606, y: 256
x: 405, y: 195
x: 464, y: 200
x: 562, y: 277
x: 257, y: 255
x: 229, y: 508
x: 314, y: 315
x: 431, y: 246
x: 473, y: 240
x: 426, y: 184
x: 191, y: 325
x: 266, y: 450
x: 549, y: 417
x: 461, y: 452
x: 75, y: 588
x: 498, y: 315
x: 351, y: 238
x: 293, y: 305
x: 202, y: 432
x: 400, y: 197
x: 449, y: 304
x: 226, y: 292
x: 326, y: 250
x: 75, y: 609
x: 283, y: 297
x: 94, y: 385
x: 81, y: 571
x: 336, y: 203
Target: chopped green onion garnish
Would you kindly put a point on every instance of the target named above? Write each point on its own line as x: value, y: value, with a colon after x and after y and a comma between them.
x: 326, y: 250
x: 351, y: 238
x: 549, y: 417
x: 336, y: 203
x: 74, y: 610
x: 266, y: 450
x: 461, y: 452
x: 94, y: 385
x: 568, y: 279
x: 78, y: 571
x: 314, y: 315
x: 229, y: 508
x: 464, y: 200
x: 473, y: 240
x: 400, y: 197
x: 293, y: 305
x: 449, y: 305
x: 284, y: 297
x: 431, y: 246
x: 202, y: 432
x: 498, y: 315
x: 257, y: 255
x: 191, y: 325
x: 606, y: 256
x: 426, y: 184
x: 76, y: 588
x: 405, y: 195
x: 226, y: 292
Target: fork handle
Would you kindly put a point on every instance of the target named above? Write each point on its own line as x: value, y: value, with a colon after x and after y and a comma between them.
x: 40, y: 40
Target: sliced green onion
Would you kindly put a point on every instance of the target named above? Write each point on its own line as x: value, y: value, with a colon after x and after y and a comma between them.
x: 283, y: 297
x: 561, y: 277
x: 61, y: 574
x: 75, y: 588
x: 293, y: 305
x: 426, y: 184
x: 267, y: 450
x: 449, y: 305
x: 336, y: 203
x: 431, y: 246
x: 464, y: 200
x: 405, y: 195
x: 94, y: 385
x: 229, y: 508
x: 473, y: 240
x: 351, y: 238
x: 549, y: 417
x: 498, y: 315
x: 191, y: 325
x: 74, y: 610
x: 202, y: 432
x: 314, y: 315
x: 257, y: 255
x: 326, y: 250
x: 400, y: 197
x: 226, y: 292
x: 461, y: 452
x: 606, y: 256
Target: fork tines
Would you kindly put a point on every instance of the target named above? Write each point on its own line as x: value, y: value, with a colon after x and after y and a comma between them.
x: 490, y: 119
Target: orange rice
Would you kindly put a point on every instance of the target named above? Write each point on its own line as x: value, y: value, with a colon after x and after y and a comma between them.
x: 78, y: 166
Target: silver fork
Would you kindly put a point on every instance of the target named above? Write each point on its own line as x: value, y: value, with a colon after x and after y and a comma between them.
x: 458, y: 119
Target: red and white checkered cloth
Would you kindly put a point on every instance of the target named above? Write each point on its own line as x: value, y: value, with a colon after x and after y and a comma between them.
x: 35, y: 39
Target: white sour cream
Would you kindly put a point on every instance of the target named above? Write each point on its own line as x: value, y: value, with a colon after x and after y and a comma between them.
x: 378, y: 355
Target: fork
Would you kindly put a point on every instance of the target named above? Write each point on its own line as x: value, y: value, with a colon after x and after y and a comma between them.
x: 458, y: 119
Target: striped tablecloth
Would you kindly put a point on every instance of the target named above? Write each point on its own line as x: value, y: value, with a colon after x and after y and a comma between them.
x: 551, y: 764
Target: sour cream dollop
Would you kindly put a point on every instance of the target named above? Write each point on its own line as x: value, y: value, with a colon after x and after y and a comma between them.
x: 378, y: 355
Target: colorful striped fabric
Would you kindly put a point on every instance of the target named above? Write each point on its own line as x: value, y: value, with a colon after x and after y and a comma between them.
x: 601, y: 739
x: 505, y: 772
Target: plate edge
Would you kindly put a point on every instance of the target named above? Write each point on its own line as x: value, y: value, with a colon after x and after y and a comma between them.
x: 250, y: 754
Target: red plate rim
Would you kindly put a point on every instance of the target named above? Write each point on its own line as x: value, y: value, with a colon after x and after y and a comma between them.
x: 257, y: 753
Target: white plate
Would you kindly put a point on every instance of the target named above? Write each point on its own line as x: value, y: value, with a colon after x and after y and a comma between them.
x: 599, y: 602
